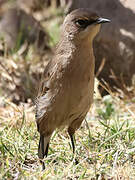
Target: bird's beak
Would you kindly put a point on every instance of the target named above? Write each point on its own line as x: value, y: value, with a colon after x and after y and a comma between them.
x: 102, y: 20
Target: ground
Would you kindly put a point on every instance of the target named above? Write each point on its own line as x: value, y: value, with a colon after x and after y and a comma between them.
x: 105, y: 143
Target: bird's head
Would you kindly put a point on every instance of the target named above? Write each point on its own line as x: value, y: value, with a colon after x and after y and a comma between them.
x: 82, y: 24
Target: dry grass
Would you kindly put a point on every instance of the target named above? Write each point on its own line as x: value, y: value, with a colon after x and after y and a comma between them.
x: 105, y: 143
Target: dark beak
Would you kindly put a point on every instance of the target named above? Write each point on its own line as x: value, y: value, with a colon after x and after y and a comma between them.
x: 102, y: 20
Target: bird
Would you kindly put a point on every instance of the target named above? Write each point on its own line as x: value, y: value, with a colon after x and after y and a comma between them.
x: 67, y: 85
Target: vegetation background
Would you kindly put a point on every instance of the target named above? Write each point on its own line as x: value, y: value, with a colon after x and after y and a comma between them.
x: 105, y: 143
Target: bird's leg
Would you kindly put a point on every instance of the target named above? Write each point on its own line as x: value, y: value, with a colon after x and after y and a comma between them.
x: 43, y: 148
x: 73, y: 145
x: 71, y: 131
x: 72, y: 142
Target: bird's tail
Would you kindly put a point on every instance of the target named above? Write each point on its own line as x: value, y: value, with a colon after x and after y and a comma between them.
x: 43, y: 148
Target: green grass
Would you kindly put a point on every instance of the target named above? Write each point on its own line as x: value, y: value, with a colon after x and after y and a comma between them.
x: 105, y: 145
x: 53, y: 26
x: 54, y: 32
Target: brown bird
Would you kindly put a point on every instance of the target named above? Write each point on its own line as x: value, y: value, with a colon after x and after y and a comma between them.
x: 67, y: 87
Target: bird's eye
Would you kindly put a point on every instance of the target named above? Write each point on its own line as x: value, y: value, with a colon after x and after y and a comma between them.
x: 81, y: 23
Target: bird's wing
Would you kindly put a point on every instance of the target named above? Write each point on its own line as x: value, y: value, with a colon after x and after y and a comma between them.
x: 44, y: 84
x: 48, y: 89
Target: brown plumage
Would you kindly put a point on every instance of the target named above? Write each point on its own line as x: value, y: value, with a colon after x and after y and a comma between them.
x: 67, y: 87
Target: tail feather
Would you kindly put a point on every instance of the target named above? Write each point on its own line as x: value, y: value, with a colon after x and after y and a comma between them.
x: 43, y: 148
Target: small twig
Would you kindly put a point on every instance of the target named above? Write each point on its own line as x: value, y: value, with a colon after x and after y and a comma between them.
x: 115, y: 164
x: 132, y: 114
x: 120, y: 83
x: 101, y: 67
x: 106, y: 87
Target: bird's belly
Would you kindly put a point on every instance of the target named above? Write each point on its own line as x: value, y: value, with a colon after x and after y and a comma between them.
x: 83, y: 98
x: 72, y: 102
